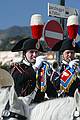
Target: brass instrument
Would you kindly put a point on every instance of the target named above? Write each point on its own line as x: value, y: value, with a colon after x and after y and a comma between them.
x: 53, y: 62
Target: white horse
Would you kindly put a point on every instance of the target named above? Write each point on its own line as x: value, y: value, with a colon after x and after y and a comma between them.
x: 67, y: 108
x: 11, y: 106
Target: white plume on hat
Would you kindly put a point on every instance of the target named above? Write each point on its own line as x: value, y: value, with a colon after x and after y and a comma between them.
x: 5, y: 78
x: 72, y: 20
x: 36, y: 19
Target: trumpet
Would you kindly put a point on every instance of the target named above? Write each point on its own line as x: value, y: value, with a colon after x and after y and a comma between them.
x: 53, y: 62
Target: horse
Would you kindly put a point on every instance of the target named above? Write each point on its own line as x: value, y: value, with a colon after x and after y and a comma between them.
x: 13, y: 107
x: 67, y: 108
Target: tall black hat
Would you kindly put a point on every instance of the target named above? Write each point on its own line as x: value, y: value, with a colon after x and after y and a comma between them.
x: 57, y: 46
x: 27, y: 44
x: 65, y: 44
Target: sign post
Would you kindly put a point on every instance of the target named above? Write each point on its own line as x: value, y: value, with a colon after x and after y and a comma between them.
x: 60, y: 11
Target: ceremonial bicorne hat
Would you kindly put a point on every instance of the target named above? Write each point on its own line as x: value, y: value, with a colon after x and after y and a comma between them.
x: 5, y: 78
x: 27, y: 44
x: 66, y: 44
x: 57, y: 46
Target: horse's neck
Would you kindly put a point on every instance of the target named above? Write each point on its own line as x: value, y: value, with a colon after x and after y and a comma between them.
x: 4, y: 97
x: 7, y: 94
x: 12, y: 96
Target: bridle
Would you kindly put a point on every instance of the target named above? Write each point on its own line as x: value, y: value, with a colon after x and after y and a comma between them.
x: 76, y: 114
x: 7, y: 114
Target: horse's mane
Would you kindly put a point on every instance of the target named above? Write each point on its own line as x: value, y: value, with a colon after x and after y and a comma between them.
x: 56, y: 109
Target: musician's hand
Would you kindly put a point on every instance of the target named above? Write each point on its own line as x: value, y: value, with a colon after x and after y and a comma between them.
x: 39, y: 61
x: 74, y: 63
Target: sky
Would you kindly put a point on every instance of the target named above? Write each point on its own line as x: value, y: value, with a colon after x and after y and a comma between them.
x: 19, y: 12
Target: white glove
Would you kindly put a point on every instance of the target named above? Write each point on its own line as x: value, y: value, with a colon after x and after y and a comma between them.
x: 74, y: 63
x: 39, y: 61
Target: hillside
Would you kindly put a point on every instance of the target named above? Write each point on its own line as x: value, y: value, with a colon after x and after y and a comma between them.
x: 10, y: 36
